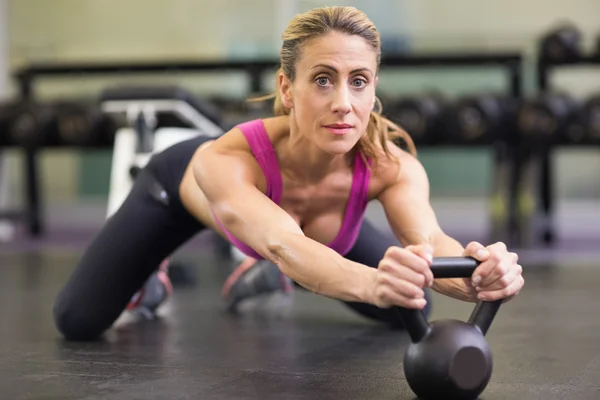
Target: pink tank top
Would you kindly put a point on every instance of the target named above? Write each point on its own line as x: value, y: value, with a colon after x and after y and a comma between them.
x: 265, y: 155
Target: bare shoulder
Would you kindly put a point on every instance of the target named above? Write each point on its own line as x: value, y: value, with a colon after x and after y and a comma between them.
x: 230, y: 158
x: 234, y: 140
x: 401, y: 169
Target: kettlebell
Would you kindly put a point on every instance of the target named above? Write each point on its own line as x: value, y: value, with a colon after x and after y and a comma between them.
x: 449, y: 359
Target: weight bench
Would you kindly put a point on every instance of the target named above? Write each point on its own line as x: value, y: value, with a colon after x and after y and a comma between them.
x: 157, y: 117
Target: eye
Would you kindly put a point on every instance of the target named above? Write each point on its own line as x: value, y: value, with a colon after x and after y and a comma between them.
x: 359, y: 82
x: 322, y: 80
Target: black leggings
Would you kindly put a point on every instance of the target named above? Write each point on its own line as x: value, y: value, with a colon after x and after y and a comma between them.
x: 149, y: 226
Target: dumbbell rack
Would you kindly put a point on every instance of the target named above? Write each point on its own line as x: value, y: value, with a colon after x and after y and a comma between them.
x: 32, y: 211
x: 511, y: 62
x: 546, y: 194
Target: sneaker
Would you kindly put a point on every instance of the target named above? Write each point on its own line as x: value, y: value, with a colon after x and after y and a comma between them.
x: 253, y: 278
x: 153, y: 294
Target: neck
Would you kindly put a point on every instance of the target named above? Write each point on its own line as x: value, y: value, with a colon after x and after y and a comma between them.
x: 306, y: 161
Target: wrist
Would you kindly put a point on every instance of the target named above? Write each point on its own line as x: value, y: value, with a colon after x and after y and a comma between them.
x: 368, y: 292
x: 470, y: 294
x: 458, y: 288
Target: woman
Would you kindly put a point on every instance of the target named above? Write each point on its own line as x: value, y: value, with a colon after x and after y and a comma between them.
x: 292, y: 190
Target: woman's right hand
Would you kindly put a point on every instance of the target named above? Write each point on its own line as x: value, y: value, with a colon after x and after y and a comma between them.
x: 401, y: 276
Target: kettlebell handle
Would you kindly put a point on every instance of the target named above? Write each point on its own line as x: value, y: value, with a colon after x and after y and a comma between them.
x: 451, y: 267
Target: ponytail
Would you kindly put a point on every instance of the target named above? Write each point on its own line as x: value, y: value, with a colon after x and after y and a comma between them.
x: 379, y: 131
x: 278, y: 108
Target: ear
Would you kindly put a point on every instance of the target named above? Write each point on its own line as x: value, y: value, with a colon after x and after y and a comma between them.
x: 285, y: 91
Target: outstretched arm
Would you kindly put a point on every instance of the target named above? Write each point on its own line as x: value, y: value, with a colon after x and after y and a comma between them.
x: 406, y: 202
x: 413, y: 221
x: 229, y: 179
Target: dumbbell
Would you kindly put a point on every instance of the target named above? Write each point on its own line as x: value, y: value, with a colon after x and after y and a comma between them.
x: 83, y: 125
x: 562, y: 43
x: 590, y: 120
x: 449, y: 359
x: 32, y: 125
x: 548, y: 119
x: 481, y: 119
x: 420, y: 116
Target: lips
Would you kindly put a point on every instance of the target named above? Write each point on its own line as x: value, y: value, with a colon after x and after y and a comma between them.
x: 339, y: 129
x: 338, y: 126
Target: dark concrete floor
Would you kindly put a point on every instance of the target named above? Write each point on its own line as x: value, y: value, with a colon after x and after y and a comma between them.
x: 546, y: 342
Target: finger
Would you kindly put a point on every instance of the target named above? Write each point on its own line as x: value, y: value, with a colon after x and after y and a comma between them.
x: 506, y: 262
x: 415, y: 304
x: 477, y: 251
x: 511, y: 290
x: 494, y: 269
x: 502, y: 281
x: 483, y: 270
x: 401, y: 286
x: 388, y: 298
x: 393, y: 268
x: 408, y: 258
x: 425, y: 251
x: 412, y: 252
x: 498, y: 246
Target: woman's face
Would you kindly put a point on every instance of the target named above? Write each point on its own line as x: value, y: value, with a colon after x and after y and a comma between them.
x: 333, y: 93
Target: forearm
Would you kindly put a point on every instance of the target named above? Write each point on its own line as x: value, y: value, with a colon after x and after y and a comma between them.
x: 321, y: 270
x: 458, y: 288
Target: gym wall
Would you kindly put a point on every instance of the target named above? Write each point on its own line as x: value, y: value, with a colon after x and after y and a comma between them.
x: 4, y: 80
x: 109, y: 30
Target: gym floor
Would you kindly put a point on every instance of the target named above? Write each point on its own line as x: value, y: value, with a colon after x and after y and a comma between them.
x: 545, y: 342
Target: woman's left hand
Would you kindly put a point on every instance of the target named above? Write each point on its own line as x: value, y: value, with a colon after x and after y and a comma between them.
x: 499, y: 276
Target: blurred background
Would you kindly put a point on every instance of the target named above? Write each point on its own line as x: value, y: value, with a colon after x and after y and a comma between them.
x: 504, y: 152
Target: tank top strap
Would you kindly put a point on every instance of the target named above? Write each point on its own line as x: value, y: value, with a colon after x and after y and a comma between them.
x: 360, y: 186
x: 355, y: 208
x: 256, y: 135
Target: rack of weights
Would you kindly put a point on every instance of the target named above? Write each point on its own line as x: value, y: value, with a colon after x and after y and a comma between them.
x: 476, y: 120
x: 555, y: 119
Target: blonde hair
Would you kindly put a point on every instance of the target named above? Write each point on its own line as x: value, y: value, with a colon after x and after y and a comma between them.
x: 350, y: 21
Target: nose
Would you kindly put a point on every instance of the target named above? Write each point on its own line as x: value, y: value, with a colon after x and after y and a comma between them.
x: 341, y: 101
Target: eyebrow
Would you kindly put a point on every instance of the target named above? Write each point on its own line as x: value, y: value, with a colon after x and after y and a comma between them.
x: 335, y: 70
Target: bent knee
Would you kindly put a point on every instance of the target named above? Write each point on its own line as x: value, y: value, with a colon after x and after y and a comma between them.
x: 76, y: 323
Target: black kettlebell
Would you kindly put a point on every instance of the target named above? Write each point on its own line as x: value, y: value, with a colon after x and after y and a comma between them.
x: 449, y: 359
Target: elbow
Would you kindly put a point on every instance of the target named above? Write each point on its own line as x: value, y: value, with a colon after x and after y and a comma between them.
x: 281, y: 246
x: 277, y: 252
x: 281, y: 254
x: 289, y: 261
x: 272, y: 245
